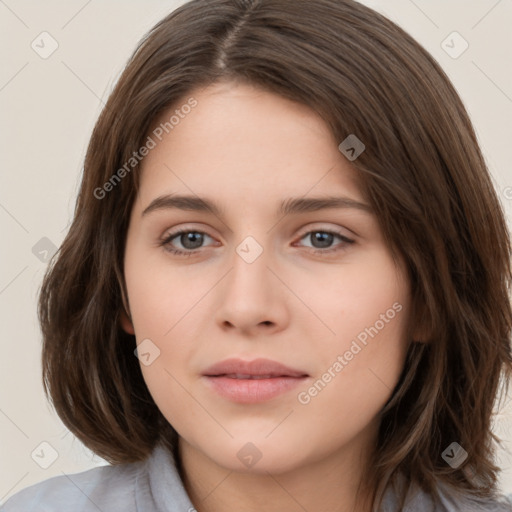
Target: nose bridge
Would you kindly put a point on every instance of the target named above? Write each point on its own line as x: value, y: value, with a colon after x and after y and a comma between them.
x: 251, y: 294
x: 250, y: 263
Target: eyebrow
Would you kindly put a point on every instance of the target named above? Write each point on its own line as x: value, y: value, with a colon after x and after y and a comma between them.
x: 288, y: 206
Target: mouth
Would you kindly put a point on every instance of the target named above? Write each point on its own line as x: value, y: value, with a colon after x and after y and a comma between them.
x: 253, y: 381
x: 241, y: 376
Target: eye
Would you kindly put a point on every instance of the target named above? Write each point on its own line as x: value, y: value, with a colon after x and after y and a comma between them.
x: 322, y: 240
x: 190, y: 240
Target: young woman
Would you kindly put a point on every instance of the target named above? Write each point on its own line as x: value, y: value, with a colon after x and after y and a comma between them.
x: 286, y: 217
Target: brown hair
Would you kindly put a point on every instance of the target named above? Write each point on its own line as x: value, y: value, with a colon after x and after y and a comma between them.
x: 422, y: 172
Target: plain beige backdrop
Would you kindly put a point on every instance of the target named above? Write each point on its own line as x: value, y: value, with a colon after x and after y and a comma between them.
x: 59, y: 63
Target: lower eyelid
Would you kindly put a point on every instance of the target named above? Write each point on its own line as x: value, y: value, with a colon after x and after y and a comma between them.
x: 342, y: 244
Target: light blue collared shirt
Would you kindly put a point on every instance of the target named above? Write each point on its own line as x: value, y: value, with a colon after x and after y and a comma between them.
x: 154, y: 485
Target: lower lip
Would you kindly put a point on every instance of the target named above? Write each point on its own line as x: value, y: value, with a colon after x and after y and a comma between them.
x: 250, y: 391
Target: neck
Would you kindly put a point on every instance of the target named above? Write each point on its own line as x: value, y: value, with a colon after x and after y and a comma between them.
x: 330, y: 484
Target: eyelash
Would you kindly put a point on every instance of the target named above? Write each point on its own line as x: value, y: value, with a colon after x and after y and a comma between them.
x: 178, y: 252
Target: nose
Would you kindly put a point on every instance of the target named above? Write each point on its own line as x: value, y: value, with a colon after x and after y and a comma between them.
x: 252, y: 298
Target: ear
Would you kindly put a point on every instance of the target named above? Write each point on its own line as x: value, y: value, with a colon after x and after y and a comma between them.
x: 124, y: 317
x: 126, y: 322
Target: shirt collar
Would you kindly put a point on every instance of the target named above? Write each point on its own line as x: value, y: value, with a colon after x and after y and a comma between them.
x: 161, y: 488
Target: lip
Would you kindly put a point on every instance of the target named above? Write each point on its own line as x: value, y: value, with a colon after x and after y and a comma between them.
x: 256, y: 367
x: 253, y: 381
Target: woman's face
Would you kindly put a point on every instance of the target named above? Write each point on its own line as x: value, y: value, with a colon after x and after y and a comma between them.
x: 268, y: 272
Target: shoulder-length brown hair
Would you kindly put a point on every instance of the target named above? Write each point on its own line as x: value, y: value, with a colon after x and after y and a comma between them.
x: 422, y: 172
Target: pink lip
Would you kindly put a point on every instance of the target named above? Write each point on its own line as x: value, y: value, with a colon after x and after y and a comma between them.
x: 252, y: 381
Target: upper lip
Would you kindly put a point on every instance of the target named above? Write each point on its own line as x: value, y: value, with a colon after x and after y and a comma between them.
x: 255, y: 367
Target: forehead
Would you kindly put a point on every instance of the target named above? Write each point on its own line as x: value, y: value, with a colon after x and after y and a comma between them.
x: 239, y: 139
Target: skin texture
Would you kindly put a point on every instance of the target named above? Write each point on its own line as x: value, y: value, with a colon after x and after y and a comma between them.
x: 248, y: 150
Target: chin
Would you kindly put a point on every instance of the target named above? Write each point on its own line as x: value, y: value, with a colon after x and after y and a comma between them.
x: 258, y: 457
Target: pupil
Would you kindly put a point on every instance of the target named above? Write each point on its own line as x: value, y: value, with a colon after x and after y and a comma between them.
x: 194, y: 240
x: 325, y: 239
x: 189, y: 237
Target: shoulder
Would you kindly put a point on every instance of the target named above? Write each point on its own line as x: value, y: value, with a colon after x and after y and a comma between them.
x: 448, y: 499
x: 103, y: 488
x: 456, y: 502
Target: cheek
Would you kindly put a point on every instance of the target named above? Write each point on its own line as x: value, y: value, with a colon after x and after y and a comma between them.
x: 365, y: 300
x: 351, y: 389
x: 361, y: 359
x: 169, y: 390
x: 160, y: 306
x: 160, y: 296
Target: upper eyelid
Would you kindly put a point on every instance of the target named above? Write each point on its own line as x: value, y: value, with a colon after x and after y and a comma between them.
x: 305, y: 230
x: 335, y: 230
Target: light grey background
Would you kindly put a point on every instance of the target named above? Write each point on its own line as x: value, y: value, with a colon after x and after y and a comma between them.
x: 49, y: 106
